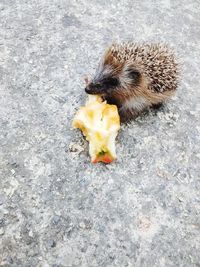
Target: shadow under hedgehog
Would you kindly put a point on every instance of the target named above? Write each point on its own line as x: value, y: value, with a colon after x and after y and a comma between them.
x: 135, y: 76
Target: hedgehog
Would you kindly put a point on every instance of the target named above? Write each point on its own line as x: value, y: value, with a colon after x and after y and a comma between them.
x: 135, y: 77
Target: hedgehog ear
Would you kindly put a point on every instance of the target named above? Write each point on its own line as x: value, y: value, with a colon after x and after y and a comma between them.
x: 134, y: 75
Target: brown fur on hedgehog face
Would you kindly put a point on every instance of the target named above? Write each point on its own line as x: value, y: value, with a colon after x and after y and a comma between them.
x: 113, y: 78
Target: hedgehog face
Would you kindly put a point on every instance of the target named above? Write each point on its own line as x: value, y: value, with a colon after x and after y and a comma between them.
x: 104, y: 82
x: 113, y: 76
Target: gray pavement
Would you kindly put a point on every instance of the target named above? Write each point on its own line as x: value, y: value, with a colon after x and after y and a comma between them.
x: 56, y: 208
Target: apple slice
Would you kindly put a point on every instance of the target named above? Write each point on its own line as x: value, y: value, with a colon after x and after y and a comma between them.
x: 100, y: 124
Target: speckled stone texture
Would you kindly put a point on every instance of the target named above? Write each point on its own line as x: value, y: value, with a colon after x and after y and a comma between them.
x: 56, y: 208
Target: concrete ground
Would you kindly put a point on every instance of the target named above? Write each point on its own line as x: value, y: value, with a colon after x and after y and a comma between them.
x: 56, y: 208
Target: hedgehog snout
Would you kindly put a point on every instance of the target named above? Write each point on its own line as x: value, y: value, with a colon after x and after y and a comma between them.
x: 94, y: 88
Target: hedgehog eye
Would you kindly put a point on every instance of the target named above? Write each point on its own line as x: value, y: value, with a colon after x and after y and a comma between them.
x: 98, y: 85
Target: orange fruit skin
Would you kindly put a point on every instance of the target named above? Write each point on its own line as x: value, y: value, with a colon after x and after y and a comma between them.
x: 105, y: 159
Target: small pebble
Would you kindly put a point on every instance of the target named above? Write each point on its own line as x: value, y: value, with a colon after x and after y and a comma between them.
x: 73, y: 147
x: 13, y: 171
x: 2, y: 231
x: 82, y: 225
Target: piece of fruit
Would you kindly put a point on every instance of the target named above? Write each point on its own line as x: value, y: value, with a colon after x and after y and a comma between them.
x: 99, y: 123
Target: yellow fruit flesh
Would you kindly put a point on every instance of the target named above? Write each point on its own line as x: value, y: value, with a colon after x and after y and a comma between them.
x: 100, y: 123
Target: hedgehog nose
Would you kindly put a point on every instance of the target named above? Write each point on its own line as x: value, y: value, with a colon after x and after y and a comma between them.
x: 87, y: 90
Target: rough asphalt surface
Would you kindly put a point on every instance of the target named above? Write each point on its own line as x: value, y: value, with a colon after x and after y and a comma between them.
x: 56, y: 208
